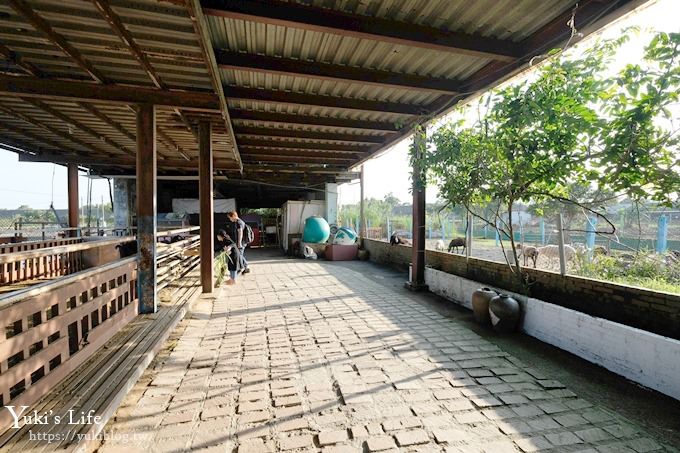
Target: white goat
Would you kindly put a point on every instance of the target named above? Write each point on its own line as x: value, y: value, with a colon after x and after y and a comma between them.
x: 439, y: 246
x: 553, y: 251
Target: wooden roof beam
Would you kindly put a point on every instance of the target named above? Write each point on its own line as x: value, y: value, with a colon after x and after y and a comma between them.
x: 55, y: 146
x: 250, y: 158
x: 53, y: 130
x: 117, y: 26
x: 325, y: 20
x: 553, y: 33
x: 298, y: 152
x: 78, y: 125
x: 286, y: 97
x: 261, y: 132
x: 320, y: 169
x: 546, y: 38
x: 84, y: 91
x: 17, y: 60
x: 201, y: 27
x: 123, y: 161
x: 286, y: 118
x: 326, y: 71
x: 280, y: 144
x: 40, y: 24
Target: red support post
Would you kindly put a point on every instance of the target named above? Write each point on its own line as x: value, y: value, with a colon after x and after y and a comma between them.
x: 417, y: 278
x: 205, y: 184
x: 73, y: 208
x: 146, y: 208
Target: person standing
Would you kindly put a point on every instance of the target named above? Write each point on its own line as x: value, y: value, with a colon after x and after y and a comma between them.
x: 239, y: 229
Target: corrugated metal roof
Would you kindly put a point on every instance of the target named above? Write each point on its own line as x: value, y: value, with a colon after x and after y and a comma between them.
x: 168, y: 35
x: 164, y: 32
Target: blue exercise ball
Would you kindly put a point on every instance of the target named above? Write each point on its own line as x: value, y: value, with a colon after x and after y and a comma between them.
x: 316, y: 230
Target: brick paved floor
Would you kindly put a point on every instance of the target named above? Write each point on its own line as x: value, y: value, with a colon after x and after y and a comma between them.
x: 311, y: 356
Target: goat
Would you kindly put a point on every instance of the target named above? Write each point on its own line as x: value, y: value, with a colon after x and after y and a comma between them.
x: 396, y: 239
x: 127, y: 249
x: 455, y: 243
x: 439, y: 246
x: 529, y: 252
x: 553, y: 251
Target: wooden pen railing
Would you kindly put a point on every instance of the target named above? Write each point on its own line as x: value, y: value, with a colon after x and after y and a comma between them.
x: 51, y: 328
x: 28, y: 261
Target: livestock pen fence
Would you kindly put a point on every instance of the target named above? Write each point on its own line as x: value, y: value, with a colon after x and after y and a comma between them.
x: 62, y: 300
x: 642, y: 251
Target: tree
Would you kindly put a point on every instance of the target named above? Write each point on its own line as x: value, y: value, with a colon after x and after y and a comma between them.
x: 571, y: 126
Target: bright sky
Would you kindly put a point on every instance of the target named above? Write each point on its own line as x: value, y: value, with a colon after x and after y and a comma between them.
x: 33, y: 183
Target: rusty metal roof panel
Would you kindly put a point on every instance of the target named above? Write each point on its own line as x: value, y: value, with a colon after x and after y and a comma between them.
x: 322, y: 87
x: 505, y: 19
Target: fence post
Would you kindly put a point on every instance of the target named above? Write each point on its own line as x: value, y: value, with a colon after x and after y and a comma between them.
x: 389, y: 233
x: 662, y: 235
x: 468, y: 239
x: 590, y: 236
x: 560, y: 241
x: 542, y: 227
x: 443, y: 231
x: 498, y: 235
x: 429, y: 232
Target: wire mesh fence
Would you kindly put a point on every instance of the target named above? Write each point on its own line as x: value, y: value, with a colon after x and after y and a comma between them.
x: 640, y: 247
x: 19, y: 225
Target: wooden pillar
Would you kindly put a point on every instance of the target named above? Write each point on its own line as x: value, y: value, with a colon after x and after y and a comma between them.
x: 417, y: 279
x: 146, y: 208
x: 73, y: 208
x: 362, y: 211
x: 205, y: 190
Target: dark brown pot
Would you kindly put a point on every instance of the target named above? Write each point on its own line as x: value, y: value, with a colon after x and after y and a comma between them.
x: 504, y: 312
x: 362, y: 254
x: 480, y: 304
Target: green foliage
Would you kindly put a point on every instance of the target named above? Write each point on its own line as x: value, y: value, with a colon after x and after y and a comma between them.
x: 643, y: 271
x: 570, y: 135
x: 220, y: 267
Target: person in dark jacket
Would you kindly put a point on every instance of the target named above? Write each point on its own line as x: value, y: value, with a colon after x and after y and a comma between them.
x: 234, y: 262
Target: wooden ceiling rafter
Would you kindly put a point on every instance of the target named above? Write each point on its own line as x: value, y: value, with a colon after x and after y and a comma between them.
x: 262, y: 132
x: 53, y: 130
x: 335, y: 102
x: 116, y: 24
x: 124, y: 34
x: 328, y: 20
x: 55, y: 146
x: 262, y: 143
x: 124, y: 161
x: 298, y: 152
x: 289, y: 118
x: 256, y: 158
x: 16, y: 59
x: 77, y: 124
x: 553, y: 33
x: 40, y: 24
x: 93, y: 92
x: 195, y: 12
x: 326, y: 71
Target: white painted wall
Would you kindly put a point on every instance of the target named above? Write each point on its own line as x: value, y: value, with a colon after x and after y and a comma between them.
x: 644, y: 357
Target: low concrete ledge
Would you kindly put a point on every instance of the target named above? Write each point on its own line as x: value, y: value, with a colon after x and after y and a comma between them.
x: 652, y: 311
x: 643, y: 357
